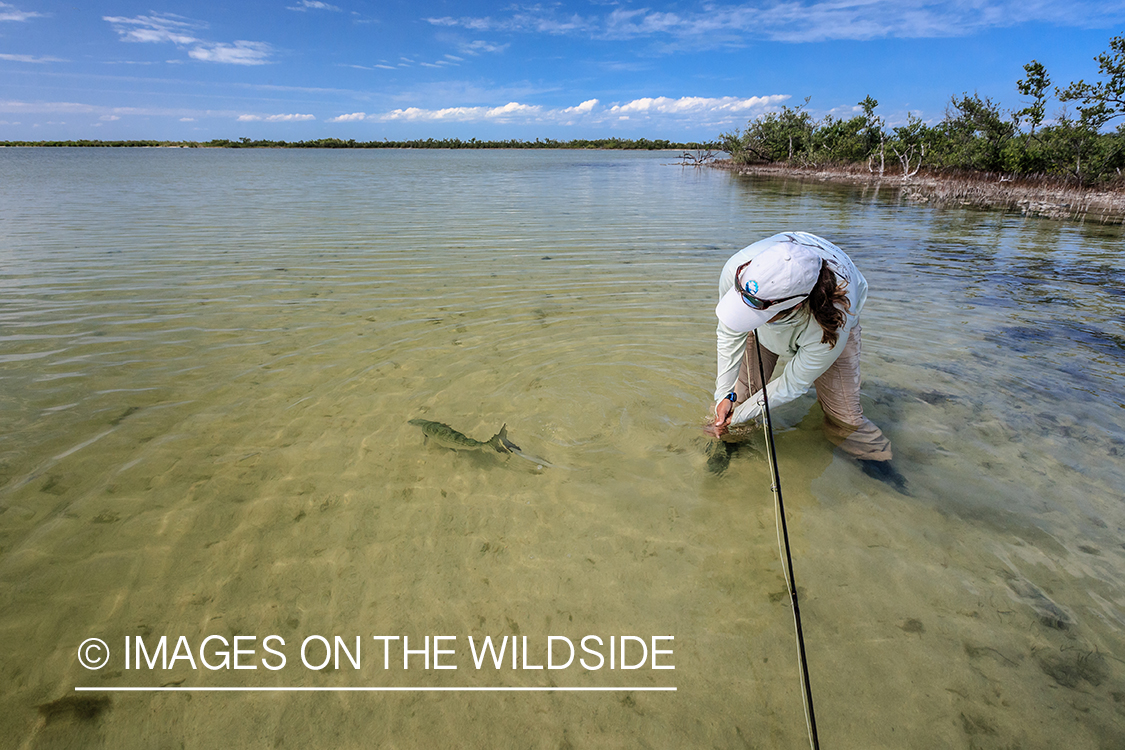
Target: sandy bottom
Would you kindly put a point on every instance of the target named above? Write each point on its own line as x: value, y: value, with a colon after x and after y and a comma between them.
x: 292, y: 503
x: 203, y: 447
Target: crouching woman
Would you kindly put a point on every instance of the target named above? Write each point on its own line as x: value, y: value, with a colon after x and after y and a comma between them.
x: 801, y: 296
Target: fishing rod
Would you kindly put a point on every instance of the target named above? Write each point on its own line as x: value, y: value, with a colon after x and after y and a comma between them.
x: 783, y: 534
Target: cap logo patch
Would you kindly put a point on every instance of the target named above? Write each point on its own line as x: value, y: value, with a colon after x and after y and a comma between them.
x: 751, y: 287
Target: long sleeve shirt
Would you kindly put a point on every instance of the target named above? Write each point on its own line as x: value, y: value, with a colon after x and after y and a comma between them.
x: 796, y: 335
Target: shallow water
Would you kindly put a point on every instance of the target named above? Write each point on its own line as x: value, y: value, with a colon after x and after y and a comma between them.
x: 208, y: 363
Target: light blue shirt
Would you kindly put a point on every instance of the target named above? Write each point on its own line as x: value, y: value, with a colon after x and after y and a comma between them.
x: 796, y: 335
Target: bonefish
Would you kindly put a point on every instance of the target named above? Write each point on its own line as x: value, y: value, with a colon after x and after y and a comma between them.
x: 448, y: 437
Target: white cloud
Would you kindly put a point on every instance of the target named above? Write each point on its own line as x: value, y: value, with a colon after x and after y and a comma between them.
x: 12, y: 13
x: 583, y: 108
x: 798, y: 20
x: 464, y: 114
x: 699, y: 104
x: 187, y: 119
x: 106, y: 112
x: 109, y: 118
x: 475, y: 48
x: 30, y: 58
x: 239, y: 53
x: 512, y: 108
x: 275, y: 118
x: 705, y: 110
x: 159, y: 27
x: 353, y: 117
x: 312, y: 5
x: 18, y: 106
x: 180, y: 31
x: 643, y: 22
x: 480, y: 24
x: 531, y: 19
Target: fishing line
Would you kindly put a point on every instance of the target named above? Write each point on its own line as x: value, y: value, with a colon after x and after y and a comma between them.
x: 783, y: 547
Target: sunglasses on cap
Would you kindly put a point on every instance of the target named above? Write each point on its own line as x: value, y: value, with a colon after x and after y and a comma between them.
x: 757, y: 302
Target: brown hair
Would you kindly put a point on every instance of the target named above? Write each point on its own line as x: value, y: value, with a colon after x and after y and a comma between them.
x: 828, y: 303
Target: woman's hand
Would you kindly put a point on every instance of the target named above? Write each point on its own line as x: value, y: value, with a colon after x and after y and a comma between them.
x: 723, y: 410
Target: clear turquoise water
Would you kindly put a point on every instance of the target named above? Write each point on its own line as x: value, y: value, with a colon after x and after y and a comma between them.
x: 207, y: 364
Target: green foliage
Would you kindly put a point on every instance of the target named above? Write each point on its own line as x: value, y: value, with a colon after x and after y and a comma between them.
x: 793, y: 136
x: 1104, y: 100
x: 975, y: 133
x: 912, y: 142
x: 873, y: 125
x: 775, y: 136
x: 1035, y: 85
x: 839, y: 140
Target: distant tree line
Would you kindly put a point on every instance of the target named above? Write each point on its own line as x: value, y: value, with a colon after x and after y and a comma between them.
x: 975, y: 133
x: 629, y: 144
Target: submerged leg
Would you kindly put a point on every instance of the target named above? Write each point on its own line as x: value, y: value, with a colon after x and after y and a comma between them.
x: 837, y: 390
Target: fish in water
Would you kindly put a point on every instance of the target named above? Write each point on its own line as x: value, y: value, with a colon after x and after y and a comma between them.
x: 448, y: 437
x: 719, y: 453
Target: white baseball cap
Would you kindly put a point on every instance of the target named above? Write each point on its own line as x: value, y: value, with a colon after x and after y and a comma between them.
x: 781, y: 277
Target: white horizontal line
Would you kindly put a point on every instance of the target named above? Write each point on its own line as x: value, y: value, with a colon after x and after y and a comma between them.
x: 363, y: 689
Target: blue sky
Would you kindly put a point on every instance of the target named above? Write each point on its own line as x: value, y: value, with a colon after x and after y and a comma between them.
x: 301, y: 69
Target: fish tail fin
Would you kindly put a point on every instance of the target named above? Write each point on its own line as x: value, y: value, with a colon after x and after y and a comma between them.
x: 497, y: 444
x: 500, y: 442
x: 509, y: 446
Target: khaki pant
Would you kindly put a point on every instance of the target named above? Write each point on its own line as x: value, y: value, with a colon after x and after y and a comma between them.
x: 837, y: 390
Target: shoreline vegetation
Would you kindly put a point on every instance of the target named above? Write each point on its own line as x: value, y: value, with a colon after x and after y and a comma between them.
x: 978, y: 153
x: 620, y: 144
x: 1045, y: 196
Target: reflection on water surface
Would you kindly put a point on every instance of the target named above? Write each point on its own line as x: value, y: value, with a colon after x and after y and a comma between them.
x: 208, y: 364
